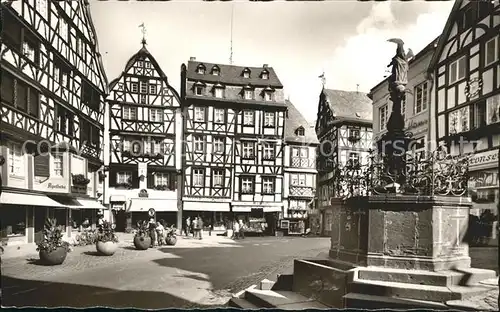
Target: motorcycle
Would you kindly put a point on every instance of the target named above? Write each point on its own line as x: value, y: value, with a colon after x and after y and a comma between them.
x: 171, y: 238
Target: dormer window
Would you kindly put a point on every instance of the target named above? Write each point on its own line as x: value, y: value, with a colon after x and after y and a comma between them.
x: 198, y: 90
x: 246, y: 73
x: 201, y: 69
x: 264, y: 74
x: 215, y: 71
x: 248, y: 94
x: 268, y: 96
x: 300, y: 131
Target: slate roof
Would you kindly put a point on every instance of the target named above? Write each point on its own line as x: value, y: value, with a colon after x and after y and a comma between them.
x: 349, y: 105
x: 295, y: 120
x: 233, y: 75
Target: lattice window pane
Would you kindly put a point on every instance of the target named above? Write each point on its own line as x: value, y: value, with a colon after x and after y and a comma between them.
x: 57, y: 169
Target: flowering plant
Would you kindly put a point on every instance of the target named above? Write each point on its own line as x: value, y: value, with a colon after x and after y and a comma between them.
x: 80, y: 179
x: 52, y: 237
x: 106, y: 233
x: 142, y: 229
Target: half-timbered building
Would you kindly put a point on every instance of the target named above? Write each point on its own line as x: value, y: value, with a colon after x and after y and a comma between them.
x: 234, y: 120
x: 52, y: 111
x: 415, y: 106
x: 344, y: 131
x: 145, y: 127
x: 466, y: 69
x: 300, y: 172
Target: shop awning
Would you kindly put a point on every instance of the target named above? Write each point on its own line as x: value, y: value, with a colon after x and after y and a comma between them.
x: 25, y: 199
x: 206, y: 206
x: 159, y: 205
x: 273, y: 209
x: 89, y: 204
x: 66, y: 201
x: 242, y: 209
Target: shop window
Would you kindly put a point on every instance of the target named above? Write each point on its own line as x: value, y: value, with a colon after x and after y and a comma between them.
x: 13, y: 221
x: 123, y: 177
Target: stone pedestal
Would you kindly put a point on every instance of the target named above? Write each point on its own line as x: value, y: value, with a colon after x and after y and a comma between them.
x: 402, y: 232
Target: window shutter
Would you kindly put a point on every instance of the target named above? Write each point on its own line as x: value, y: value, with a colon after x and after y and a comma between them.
x: 151, y: 180
x: 42, y: 166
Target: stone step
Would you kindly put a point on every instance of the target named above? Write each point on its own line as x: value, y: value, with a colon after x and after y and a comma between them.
x: 242, y: 304
x: 266, y: 284
x: 362, y: 301
x: 468, y: 276
x: 414, y: 291
x: 286, y: 300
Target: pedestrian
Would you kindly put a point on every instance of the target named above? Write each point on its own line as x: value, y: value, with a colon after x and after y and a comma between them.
x: 242, y: 229
x: 187, y: 226
x: 200, y: 226
x: 236, y: 229
x: 160, y: 229
x: 100, y: 220
x: 194, y: 226
x: 152, y: 231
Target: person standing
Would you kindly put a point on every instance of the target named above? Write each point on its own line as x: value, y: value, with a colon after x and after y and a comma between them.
x: 187, y: 226
x: 242, y: 229
x: 152, y: 231
x: 200, y: 226
x: 195, y: 227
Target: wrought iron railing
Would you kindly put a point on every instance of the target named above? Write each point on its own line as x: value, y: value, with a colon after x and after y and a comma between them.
x: 437, y: 173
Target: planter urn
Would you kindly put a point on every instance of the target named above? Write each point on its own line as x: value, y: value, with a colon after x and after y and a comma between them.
x: 142, y: 242
x: 54, y: 257
x: 171, y: 240
x: 106, y: 248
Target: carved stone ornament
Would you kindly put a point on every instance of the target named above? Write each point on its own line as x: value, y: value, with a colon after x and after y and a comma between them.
x: 473, y: 87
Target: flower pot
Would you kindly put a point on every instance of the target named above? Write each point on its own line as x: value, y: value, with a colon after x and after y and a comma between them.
x: 142, y: 242
x: 171, y: 240
x: 54, y: 257
x: 106, y: 248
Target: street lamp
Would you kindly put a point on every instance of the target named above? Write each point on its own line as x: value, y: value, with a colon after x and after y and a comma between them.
x: 102, y: 177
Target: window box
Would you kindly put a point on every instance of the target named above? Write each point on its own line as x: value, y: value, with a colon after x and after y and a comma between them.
x: 161, y: 187
x: 80, y: 179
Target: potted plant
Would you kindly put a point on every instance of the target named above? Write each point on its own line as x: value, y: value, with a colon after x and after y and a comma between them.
x: 171, y: 237
x: 142, y: 240
x: 106, y: 239
x: 52, y: 249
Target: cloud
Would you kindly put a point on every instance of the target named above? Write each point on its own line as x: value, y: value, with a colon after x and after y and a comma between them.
x: 363, y: 58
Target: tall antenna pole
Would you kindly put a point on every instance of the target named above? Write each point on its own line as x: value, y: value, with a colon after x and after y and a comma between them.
x: 231, y: 47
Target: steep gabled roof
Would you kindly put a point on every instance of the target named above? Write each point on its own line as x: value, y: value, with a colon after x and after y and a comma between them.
x: 143, y: 52
x: 232, y: 75
x: 444, y: 35
x: 349, y: 105
x: 295, y: 120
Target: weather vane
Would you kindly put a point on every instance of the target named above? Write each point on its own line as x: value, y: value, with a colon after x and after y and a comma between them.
x: 323, y: 79
x: 143, y: 30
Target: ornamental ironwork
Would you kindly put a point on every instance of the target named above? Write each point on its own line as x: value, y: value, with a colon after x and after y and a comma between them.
x: 430, y: 174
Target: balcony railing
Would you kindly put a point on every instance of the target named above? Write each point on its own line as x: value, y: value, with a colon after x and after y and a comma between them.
x: 298, y: 162
x: 301, y: 191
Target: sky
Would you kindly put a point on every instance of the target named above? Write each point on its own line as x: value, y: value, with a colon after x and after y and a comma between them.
x: 345, y: 39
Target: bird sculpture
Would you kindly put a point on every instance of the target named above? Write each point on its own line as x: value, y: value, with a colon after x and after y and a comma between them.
x: 407, y: 56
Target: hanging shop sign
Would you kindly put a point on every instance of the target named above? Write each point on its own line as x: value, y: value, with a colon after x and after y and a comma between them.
x: 151, y: 212
x: 143, y: 193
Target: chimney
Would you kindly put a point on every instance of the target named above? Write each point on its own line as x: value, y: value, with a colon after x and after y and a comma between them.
x: 265, y: 65
x: 192, y: 58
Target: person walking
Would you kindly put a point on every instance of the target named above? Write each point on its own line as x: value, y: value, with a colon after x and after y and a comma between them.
x: 187, y: 226
x: 160, y: 230
x: 242, y: 229
x: 152, y: 231
x: 236, y: 229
